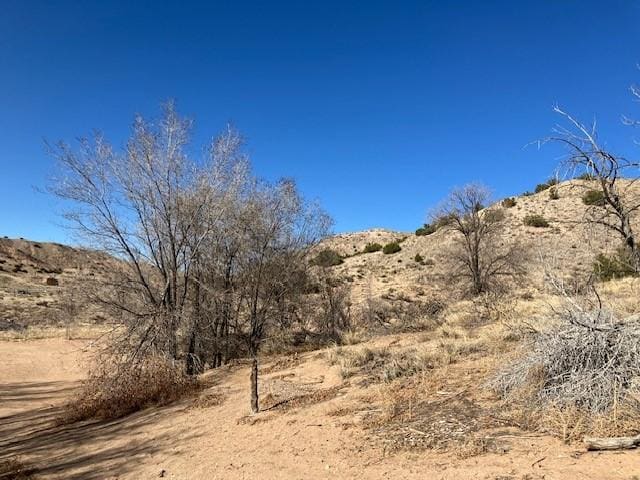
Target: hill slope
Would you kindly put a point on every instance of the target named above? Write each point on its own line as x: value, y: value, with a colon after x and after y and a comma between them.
x: 38, y: 280
x: 568, y: 243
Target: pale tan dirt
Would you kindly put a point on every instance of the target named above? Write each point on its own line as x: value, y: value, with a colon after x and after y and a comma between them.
x: 294, y: 438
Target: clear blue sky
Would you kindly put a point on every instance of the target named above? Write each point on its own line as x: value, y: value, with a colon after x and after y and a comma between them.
x: 376, y: 108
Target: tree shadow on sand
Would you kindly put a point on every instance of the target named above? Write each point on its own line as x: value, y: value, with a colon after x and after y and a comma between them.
x: 83, y: 450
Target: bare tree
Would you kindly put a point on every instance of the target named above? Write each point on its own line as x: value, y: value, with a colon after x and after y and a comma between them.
x: 142, y: 206
x: 334, y: 309
x: 279, y: 230
x: 211, y: 257
x: 478, y: 255
x: 619, y: 202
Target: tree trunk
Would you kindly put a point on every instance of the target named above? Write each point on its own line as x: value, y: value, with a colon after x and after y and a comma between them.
x: 254, y: 385
x: 615, y: 443
x: 191, y: 354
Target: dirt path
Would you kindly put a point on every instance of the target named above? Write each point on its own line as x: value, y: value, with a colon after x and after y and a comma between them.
x: 297, y: 438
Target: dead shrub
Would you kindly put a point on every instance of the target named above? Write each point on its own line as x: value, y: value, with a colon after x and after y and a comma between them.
x: 210, y: 399
x: 430, y: 412
x: 115, y: 389
x: 396, y: 313
x: 592, y: 366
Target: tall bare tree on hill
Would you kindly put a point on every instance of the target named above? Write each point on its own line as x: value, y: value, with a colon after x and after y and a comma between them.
x: 479, y: 256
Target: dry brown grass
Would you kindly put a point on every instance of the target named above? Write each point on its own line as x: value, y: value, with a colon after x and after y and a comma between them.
x: 445, y: 409
x: 73, y: 332
x: 209, y: 399
x: 114, y: 390
x: 381, y: 364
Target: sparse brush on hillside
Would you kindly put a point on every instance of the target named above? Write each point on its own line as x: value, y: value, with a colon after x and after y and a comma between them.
x: 541, y: 187
x: 426, y: 229
x: 478, y: 258
x: 372, y: 247
x: 509, y: 202
x: 392, y: 247
x: 618, y: 206
x: 618, y: 265
x: 537, y: 221
x: 586, y: 176
x: 593, y: 197
x: 327, y: 258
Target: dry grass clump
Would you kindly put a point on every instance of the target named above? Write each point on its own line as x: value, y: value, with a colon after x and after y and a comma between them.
x: 14, y: 469
x: 352, y: 337
x: 115, y: 389
x: 214, y: 398
x: 442, y: 411
x: 453, y: 349
x: 382, y: 364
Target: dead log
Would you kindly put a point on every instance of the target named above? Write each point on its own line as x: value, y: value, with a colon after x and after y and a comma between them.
x: 613, y: 443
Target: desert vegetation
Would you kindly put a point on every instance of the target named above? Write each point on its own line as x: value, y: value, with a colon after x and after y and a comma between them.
x: 213, y: 260
x: 510, y: 319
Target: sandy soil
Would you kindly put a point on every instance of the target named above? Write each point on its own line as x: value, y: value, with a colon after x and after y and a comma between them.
x: 295, y: 438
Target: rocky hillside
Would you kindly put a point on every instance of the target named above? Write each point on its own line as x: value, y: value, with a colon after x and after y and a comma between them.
x: 38, y: 280
x: 567, y: 244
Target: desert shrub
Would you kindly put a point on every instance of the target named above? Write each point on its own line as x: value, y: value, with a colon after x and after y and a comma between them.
x: 588, y: 360
x: 327, y: 258
x: 509, y: 202
x: 541, y: 187
x: 390, y: 248
x: 352, y: 337
x: 372, y: 247
x: 453, y: 349
x: 115, y: 389
x: 537, y: 221
x: 381, y: 364
x: 426, y: 229
x: 553, y: 193
x: 527, y: 193
x: 494, y: 215
x: 618, y: 265
x: 408, y: 362
x: 418, y: 258
x: 593, y: 197
x: 447, y: 219
x: 586, y: 176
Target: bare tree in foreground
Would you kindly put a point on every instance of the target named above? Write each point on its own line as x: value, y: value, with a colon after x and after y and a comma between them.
x: 213, y: 260
x: 478, y: 255
x: 279, y: 229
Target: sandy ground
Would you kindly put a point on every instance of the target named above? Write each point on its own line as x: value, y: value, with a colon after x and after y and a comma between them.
x: 294, y: 439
